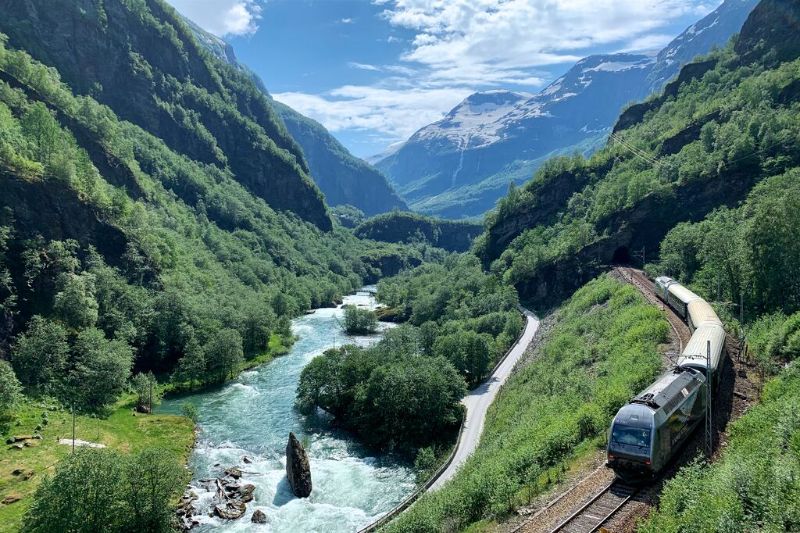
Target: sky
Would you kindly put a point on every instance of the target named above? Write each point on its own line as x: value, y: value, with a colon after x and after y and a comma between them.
x: 375, y: 71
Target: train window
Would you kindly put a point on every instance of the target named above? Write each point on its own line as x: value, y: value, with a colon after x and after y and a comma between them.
x: 630, y: 436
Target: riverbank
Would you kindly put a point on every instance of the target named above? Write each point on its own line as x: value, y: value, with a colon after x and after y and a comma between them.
x: 22, y: 469
x: 245, y: 424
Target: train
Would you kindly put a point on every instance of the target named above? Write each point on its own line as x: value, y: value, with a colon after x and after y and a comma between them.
x: 647, y: 432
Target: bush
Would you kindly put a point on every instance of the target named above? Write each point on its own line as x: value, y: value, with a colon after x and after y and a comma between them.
x: 101, y: 490
x: 359, y: 321
x: 40, y: 355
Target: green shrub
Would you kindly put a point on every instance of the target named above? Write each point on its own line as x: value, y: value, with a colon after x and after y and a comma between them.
x: 359, y: 321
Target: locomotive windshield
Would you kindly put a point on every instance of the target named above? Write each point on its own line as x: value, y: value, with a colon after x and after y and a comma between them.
x: 631, y: 436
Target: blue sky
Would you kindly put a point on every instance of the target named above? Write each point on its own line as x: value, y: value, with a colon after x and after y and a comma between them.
x: 375, y: 71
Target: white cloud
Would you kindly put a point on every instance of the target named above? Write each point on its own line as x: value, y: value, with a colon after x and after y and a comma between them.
x: 457, y: 47
x: 346, y: 20
x: 363, y: 66
x: 504, y: 38
x: 395, y: 113
x: 221, y: 17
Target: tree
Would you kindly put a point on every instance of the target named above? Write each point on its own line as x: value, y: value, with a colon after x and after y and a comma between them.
x: 75, y: 304
x: 40, y: 355
x: 147, y: 391
x: 86, y: 494
x: 192, y: 366
x: 359, y: 321
x: 9, y: 389
x: 153, y: 476
x: 101, y: 490
x: 100, y: 370
x: 224, y: 354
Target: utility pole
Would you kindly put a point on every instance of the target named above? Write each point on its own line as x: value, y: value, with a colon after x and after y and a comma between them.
x: 151, y: 396
x: 709, y: 398
x: 73, y: 426
x: 741, y: 306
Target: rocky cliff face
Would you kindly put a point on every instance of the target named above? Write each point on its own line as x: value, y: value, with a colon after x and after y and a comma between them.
x: 142, y: 60
x: 462, y: 164
x: 298, y: 470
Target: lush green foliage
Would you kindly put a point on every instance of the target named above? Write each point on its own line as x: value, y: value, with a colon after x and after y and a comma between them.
x: 464, y: 315
x: 399, y: 226
x: 10, y: 390
x: 755, y: 485
x: 170, y: 260
x: 750, y: 253
x: 101, y: 490
x: 359, y: 321
x: 603, y: 349
x: 393, y: 395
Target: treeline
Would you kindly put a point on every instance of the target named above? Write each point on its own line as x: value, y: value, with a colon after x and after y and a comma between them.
x: 464, y: 314
x: 603, y: 348
x: 401, y: 226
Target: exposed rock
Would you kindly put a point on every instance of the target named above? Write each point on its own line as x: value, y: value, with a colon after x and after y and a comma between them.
x: 233, y: 472
x: 143, y: 409
x: 244, y: 492
x: 298, y: 470
x: 11, y: 498
x: 230, y: 510
x: 259, y: 517
x: 246, y: 460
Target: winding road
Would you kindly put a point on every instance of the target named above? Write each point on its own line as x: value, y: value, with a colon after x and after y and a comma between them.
x: 480, y: 398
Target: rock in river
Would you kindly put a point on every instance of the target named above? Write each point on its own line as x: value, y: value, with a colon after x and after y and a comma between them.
x: 298, y: 470
x: 259, y: 517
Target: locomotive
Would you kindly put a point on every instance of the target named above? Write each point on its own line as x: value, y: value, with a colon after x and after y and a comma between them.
x: 648, y: 431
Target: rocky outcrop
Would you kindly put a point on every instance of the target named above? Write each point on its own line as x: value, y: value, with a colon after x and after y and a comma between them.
x: 298, y: 470
x: 259, y: 517
x: 230, y: 499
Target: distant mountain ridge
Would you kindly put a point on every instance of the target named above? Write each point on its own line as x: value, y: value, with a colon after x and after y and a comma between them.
x: 343, y: 178
x: 459, y: 166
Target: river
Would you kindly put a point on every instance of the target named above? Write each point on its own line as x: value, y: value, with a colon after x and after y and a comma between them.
x: 253, y: 416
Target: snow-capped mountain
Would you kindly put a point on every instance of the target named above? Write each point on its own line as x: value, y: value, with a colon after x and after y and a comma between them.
x: 460, y: 165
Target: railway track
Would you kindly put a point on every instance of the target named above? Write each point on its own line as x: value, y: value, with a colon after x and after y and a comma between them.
x: 597, y: 511
x: 639, y: 280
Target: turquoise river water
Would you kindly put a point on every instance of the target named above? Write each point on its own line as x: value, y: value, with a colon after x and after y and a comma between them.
x: 253, y: 416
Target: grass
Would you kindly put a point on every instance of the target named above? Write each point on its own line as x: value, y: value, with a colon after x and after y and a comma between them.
x: 121, y: 430
x: 755, y: 484
x: 554, y: 411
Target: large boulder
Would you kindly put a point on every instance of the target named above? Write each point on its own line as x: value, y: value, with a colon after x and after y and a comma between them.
x: 298, y: 470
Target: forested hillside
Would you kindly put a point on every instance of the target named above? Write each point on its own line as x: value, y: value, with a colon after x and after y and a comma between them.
x: 728, y: 122
x: 398, y: 226
x: 141, y: 59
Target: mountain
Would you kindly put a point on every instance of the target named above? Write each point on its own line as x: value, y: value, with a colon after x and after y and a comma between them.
x: 343, y: 178
x: 460, y: 165
x: 151, y: 198
x: 145, y: 65
x: 672, y: 183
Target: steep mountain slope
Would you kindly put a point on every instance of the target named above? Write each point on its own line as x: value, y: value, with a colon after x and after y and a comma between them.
x: 109, y: 231
x: 343, y: 178
x: 462, y: 164
x: 725, y: 124
x: 141, y: 59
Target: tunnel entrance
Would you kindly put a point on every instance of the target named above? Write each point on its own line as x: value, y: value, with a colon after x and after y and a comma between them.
x: 622, y: 256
